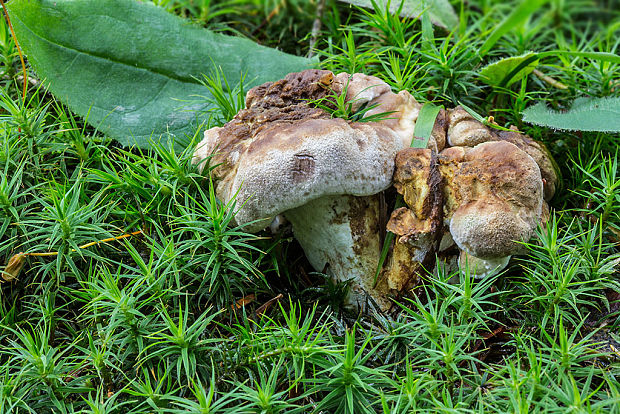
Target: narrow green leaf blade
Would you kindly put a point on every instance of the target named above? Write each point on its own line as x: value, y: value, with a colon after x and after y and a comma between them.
x: 133, y: 65
x: 586, y: 114
x: 440, y: 12
x: 602, y: 56
x: 424, y: 125
x: 518, y: 16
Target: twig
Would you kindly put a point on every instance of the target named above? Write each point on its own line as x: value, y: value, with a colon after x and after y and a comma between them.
x: 17, y: 261
x: 549, y: 80
x: 265, y: 306
x: 316, y: 27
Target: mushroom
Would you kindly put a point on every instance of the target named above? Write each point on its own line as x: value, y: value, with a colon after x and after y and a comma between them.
x: 285, y: 156
x: 493, y: 190
x: 281, y: 155
x: 465, y: 131
x: 495, y: 195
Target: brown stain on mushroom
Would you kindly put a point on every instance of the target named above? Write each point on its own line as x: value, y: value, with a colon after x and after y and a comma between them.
x: 419, y: 228
x: 403, y: 272
x: 303, y: 167
x: 364, y: 221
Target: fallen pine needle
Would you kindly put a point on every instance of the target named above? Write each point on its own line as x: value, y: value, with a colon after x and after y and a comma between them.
x: 16, y: 262
x: 19, y: 50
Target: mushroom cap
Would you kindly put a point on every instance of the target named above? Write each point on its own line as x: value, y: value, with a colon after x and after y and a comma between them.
x: 282, y: 152
x: 465, y: 131
x: 496, y: 193
x: 287, y: 168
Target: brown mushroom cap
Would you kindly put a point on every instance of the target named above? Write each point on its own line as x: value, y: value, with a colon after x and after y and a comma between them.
x: 465, y: 131
x: 281, y: 152
x: 496, y: 197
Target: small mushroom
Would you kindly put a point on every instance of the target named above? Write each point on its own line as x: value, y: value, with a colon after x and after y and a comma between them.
x: 496, y: 197
x: 492, y: 200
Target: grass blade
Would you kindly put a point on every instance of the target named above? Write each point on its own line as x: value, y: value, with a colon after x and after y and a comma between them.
x: 519, y: 15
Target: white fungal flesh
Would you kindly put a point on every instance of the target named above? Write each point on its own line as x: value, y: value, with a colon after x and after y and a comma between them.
x: 335, y: 233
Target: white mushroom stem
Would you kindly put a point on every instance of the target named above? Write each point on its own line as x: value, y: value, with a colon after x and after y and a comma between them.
x: 341, y: 234
x: 481, y: 268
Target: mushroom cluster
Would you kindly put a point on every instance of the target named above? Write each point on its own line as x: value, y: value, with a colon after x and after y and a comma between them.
x: 471, y: 196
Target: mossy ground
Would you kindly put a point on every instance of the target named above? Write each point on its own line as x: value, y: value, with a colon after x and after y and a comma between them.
x: 197, y: 316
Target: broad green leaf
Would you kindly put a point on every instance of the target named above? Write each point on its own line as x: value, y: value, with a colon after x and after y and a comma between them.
x: 440, y: 11
x: 521, y: 13
x: 500, y: 73
x: 507, y: 71
x: 586, y: 114
x: 133, y: 65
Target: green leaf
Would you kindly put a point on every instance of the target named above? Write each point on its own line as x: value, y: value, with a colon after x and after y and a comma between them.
x: 586, y: 114
x: 509, y: 70
x: 521, y: 13
x: 134, y: 66
x: 500, y: 73
x: 424, y: 125
x: 440, y: 11
x: 602, y: 56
